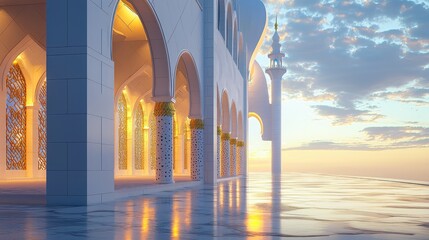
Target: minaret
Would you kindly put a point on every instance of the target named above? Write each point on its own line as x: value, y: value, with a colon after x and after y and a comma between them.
x: 276, y: 72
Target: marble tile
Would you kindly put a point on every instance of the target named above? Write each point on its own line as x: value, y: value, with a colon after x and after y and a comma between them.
x: 295, y: 206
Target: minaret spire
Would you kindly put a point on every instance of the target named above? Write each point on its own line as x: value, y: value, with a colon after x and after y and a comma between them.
x: 276, y: 72
x: 276, y: 26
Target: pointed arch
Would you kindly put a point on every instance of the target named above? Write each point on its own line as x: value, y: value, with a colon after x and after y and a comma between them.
x: 162, y: 85
x: 240, y: 123
x: 233, y: 120
x: 226, y: 121
x: 221, y: 17
x: 229, y: 28
x: 139, y: 149
x: 255, y: 115
x: 193, y: 83
x: 122, y: 111
x: 42, y: 125
x: 16, y: 119
x: 235, y: 40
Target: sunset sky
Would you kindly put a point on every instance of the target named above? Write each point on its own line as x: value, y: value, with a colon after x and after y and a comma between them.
x: 356, y: 94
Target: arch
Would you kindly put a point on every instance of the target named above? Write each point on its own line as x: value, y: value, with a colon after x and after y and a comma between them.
x: 235, y: 40
x: 42, y: 125
x: 240, y: 123
x: 139, y: 149
x: 193, y: 83
x: 233, y: 120
x: 221, y: 17
x: 162, y: 87
x: 225, y: 112
x: 219, y: 107
x: 229, y: 30
x: 255, y: 115
x: 122, y: 111
x: 26, y: 42
x: 16, y: 119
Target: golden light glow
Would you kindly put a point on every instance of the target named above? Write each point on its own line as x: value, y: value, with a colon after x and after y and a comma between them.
x: 254, y: 221
x: 175, y: 222
x: 255, y: 115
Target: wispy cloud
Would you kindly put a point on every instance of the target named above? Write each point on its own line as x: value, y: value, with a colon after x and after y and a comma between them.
x: 347, y: 52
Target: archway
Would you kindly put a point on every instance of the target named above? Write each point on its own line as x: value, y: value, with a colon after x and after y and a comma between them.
x: 259, y: 159
x: 23, y: 103
x: 141, y: 74
x: 188, y: 106
x: 229, y: 28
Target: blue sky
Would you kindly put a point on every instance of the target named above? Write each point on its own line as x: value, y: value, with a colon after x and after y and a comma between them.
x: 358, y: 73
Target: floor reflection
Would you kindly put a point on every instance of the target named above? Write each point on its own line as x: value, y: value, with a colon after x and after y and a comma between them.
x: 293, y: 206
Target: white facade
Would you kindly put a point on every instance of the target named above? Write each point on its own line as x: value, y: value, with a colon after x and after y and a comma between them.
x: 119, y: 74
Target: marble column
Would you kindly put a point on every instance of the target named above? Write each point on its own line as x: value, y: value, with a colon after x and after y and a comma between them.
x: 164, y: 112
x: 225, y: 170
x: 219, y: 133
x: 240, y: 145
x: 197, y: 149
x: 233, y: 157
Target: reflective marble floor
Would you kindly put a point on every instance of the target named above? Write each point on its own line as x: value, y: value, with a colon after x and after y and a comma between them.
x: 296, y: 206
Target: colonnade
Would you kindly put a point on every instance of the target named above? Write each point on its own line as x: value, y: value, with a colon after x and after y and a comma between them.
x: 230, y: 153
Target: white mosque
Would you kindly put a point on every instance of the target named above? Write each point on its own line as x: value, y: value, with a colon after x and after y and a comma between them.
x: 96, y: 94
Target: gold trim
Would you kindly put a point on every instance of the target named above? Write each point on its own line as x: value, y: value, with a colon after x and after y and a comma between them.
x: 240, y: 143
x: 226, y: 136
x: 233, y: 141
x: 164, y: 109
x: 196, y: 124
x: 219, y: 130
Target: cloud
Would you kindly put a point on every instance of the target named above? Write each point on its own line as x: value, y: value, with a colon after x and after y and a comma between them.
x: 378, y: 138
x: 397, y: 133
x: 321, y: 145
x: 347, y: 52
x: 345, y: 116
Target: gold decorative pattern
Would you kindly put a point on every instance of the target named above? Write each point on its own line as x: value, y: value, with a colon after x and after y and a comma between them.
x: 152, y: 142
x: 164, y: 109
x: 16, y: 119
x: 240, y: 143
x: 196, y: 124
x: 233, y: 141
x: 123, y: 125
x: 219, y: 130
x: 139, y: 139
x: 41, y: 128
x: 226, y: 136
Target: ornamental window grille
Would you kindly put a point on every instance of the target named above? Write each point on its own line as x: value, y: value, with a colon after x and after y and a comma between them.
x: 16, y: 119
x: 122, y: 133
x: 41, y: 164
x: 152, y: 142
x: 139, y: 139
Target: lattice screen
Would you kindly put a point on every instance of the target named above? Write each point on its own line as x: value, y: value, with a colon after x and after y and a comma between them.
x: 16, y: 119
x: 122, y: 132
x: 42, y: 128
x: 139, y: 139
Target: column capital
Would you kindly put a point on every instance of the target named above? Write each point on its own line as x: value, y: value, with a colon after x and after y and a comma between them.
x: 233, y: 141
x: 196, y: 124
x: 164, y: 109
x: 226, y: 136
x: 219, y: 130
x: 240, y: 143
